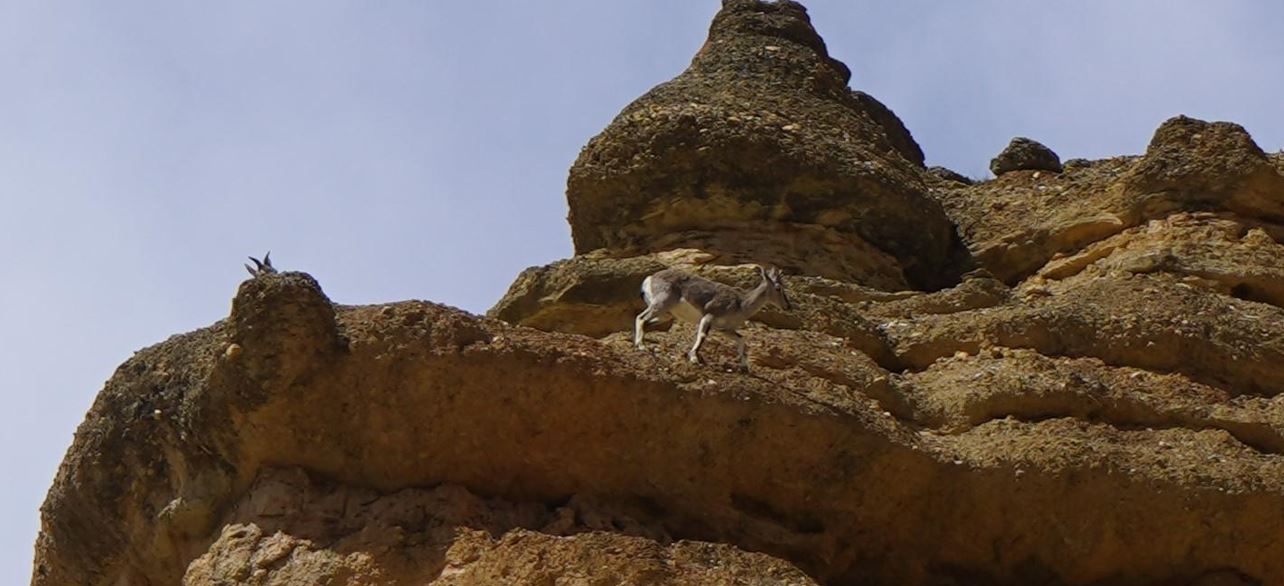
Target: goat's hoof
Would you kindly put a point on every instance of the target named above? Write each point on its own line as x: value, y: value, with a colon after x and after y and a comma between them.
x: 693, y: 359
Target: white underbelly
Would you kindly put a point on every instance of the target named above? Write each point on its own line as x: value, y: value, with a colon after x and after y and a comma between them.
x: 686, y: 312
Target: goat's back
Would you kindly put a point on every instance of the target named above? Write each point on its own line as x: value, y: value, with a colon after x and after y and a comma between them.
x: 693, y: 290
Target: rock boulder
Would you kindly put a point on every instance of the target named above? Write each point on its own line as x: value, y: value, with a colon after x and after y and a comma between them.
x: 1023, y: 154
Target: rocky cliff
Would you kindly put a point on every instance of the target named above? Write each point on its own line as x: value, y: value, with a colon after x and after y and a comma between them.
x: 1051, y: 377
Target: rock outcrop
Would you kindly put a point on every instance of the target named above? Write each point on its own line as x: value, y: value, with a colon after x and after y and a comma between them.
x: 293, y: 529
x: 1090, y: 390
x: 1023, y: 154
x: 762, y: 133
x: 1016, y: 223
x: 1193, y: 164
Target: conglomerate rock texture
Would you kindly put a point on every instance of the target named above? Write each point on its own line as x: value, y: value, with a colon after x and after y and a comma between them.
x: 1045, y: 378
x: 762, y: 130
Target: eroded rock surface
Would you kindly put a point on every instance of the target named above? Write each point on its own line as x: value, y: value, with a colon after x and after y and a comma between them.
x: 762, y: 133
x: 823, y: 459
x: 292, y: 529
x: 1092, y: 393
x: 1018, y: 222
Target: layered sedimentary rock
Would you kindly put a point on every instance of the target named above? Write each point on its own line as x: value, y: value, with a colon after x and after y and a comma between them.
x: 1094, y: 395
x: 293, y: 529
x: 760, y: 133
x: 1018, y: 222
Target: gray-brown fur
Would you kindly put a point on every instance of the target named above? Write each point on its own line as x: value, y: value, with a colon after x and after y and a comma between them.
x: 708, y: 304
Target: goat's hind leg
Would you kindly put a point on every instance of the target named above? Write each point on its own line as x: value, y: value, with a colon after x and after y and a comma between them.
x: 639, y: 322
x: 741, y: 351
x: 651, y: 314
x: 657, y: 307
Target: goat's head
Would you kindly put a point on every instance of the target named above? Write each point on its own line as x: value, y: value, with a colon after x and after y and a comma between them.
x: 261, y: 268
x: 775, y: 287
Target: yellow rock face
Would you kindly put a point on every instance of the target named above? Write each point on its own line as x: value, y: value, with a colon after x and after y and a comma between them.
x: 1069, y: 377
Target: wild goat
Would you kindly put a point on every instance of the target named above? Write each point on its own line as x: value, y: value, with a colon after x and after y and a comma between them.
x: 707, y: 304
x: 261, y: 268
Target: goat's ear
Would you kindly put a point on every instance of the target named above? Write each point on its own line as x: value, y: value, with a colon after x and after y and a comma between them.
x: 251, y: 270
x: 762, y: 272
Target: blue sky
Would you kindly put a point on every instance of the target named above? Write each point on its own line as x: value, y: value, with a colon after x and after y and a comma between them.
x: 402, y: 149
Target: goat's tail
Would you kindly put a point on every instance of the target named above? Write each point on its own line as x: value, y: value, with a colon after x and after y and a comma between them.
x: 646, y: 285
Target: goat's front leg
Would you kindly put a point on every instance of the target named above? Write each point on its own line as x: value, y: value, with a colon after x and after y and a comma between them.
x: 740, y: 348
x: 702, y: 330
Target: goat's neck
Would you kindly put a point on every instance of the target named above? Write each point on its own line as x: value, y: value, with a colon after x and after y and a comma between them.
x: 755, y: 299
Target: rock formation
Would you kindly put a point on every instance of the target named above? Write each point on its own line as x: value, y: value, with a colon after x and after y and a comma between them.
x: 1046, y: 378
x: 759, y: 150
x: 1023, y: 154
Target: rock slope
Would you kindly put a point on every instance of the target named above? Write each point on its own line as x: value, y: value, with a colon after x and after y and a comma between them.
x: 1067, y: 377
